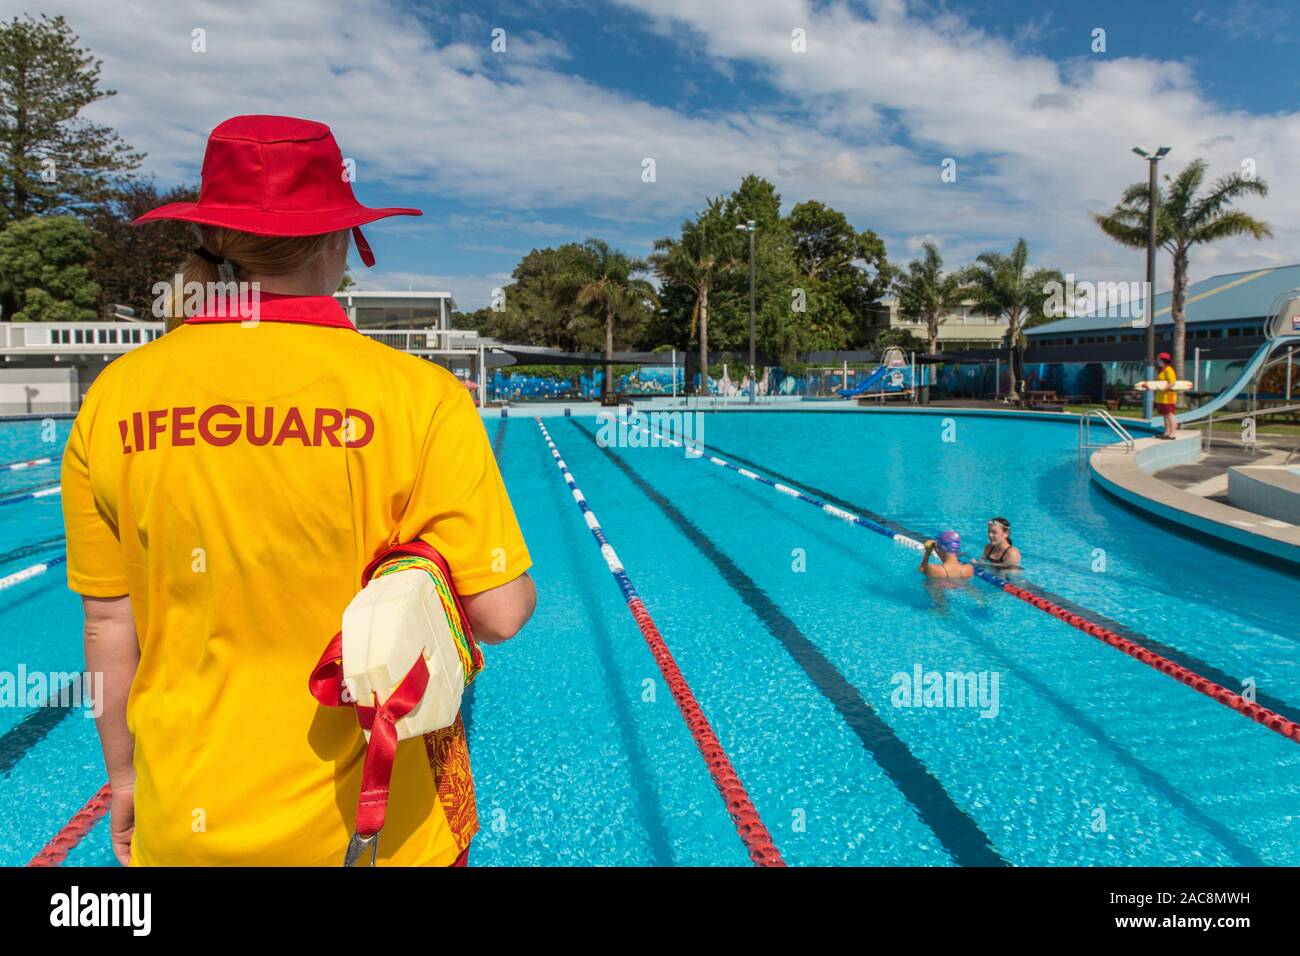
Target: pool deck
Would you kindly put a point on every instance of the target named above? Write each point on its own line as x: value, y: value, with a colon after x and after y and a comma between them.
x: 1185, y: 497
x: 552, y: 409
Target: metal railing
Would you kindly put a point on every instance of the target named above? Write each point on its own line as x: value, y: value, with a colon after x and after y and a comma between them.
x: 64, y: 338
x: 1085, y: 432
x: 1248, y: 441
x: 58, y: 338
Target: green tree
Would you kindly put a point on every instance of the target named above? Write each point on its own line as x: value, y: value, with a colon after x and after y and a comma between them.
x: 127, y: 261
x: 927, y: 294
x: 609, y: 284
x: 828, y: 249
x: 1184, y: 219
x: 706, y: 250
x: 45, y: 270
x: 1004, y: 286
x: 539, y: 306
x: 894, y: 336
x: 776, y: 323
x: 51, y: 159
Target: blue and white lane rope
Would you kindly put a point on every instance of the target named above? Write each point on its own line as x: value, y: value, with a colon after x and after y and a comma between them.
x: 38, y: 493
x: 749, y: 826
x: 835, y: 512
x: 35, y: 570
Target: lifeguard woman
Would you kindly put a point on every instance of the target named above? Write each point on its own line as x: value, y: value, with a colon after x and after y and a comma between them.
x: 225, y: 486
x: 1166, y: 399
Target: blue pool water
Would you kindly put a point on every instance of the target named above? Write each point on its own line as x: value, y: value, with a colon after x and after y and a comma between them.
x: 790, y: 627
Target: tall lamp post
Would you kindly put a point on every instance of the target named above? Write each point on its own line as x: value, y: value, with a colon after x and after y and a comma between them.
x: 1153, y: 204
x: 750, y: 227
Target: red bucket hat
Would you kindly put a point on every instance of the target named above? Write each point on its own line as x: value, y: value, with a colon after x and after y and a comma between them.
x: 276, y: 176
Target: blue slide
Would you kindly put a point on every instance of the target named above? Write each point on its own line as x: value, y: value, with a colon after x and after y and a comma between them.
x: 870, y: 382
x: 1232, y: 391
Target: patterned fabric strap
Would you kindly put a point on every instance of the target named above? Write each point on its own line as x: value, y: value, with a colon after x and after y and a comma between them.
x: 471, y: 658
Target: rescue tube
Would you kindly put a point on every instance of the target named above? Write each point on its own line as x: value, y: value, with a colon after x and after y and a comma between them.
x: 404, y: 646
x: 1159, y: 386
x: 395, y: 620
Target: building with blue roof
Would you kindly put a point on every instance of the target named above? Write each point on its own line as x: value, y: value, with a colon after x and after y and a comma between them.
x: 1227, y: 306
x: 1101, y: 354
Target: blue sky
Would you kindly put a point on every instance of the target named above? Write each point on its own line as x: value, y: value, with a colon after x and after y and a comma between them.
x: 543, y: 142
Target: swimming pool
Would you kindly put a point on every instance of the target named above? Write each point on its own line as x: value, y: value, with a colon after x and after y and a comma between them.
x: 796, y: 632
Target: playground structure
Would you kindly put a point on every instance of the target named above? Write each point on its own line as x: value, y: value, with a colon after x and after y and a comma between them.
x: 895, y: 376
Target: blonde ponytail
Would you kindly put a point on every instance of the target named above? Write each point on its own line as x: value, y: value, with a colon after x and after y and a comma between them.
x: 244, y: 254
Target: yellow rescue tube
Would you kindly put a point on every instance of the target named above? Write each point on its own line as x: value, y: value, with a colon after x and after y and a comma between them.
x: 1161, y: 386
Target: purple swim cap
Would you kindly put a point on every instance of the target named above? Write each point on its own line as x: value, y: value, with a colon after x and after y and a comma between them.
x: 950, y: 541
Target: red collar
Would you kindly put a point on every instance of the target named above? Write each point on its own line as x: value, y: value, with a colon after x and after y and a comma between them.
x: 275, y: 307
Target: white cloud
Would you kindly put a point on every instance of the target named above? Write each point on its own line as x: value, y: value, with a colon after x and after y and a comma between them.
x: 470, y: 291
x: 864, y: 119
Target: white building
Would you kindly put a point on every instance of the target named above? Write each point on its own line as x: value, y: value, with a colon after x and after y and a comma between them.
x: 46, y: 367
x: 960, y: 329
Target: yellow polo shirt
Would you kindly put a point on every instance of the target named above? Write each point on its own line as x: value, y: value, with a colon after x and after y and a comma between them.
x: 235, y: 479
x: 1167, y: 397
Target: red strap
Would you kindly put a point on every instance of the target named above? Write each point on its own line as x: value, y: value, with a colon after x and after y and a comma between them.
x: 327, y: 686
x: 382, y: 749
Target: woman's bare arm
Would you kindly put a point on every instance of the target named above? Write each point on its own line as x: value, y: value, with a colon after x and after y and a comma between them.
x: 113, y: 653
x: 496, y: 615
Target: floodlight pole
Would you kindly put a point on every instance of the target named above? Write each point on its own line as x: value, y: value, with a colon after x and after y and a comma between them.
x: 750, y: 227
x: 1153, y: 205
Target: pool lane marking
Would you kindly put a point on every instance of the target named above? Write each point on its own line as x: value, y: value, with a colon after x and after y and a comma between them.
x: 749, y: 826
x: 1278, y: 722
x: 39, y: 493
x: 27, y: 550
x: 1062, y: 607
x: 1232, y: 846
x: 75, y: 830
x: 497, y: 441
x: 35, y: 726
x: 959, y: 834
x: 20, y: 465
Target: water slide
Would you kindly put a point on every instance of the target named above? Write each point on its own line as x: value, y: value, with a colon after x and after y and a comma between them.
x: 1238, y: 386
x: 1282, y: 329
x: 867, y: 384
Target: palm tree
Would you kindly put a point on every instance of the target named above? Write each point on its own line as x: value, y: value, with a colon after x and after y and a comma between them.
x: 611, y: 287
x: 925, y: 294
x: 1183, y: 220
x: 705, y: 251
x: 1001, y: 286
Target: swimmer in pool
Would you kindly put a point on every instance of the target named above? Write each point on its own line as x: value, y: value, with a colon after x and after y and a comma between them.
x: 948, y: 547
x: 1000, y: 552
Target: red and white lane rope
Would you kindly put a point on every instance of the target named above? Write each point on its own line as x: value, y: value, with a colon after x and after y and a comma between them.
x: 1203, y: 685
x: 72, y: 833
x: 753, y: 833
x: 20, y: 465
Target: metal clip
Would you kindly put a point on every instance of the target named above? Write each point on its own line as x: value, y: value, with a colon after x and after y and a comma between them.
x: 357, y: 847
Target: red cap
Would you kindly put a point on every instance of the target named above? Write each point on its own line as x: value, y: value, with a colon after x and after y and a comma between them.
x: 276, y: 176
x: 1165, y: 357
